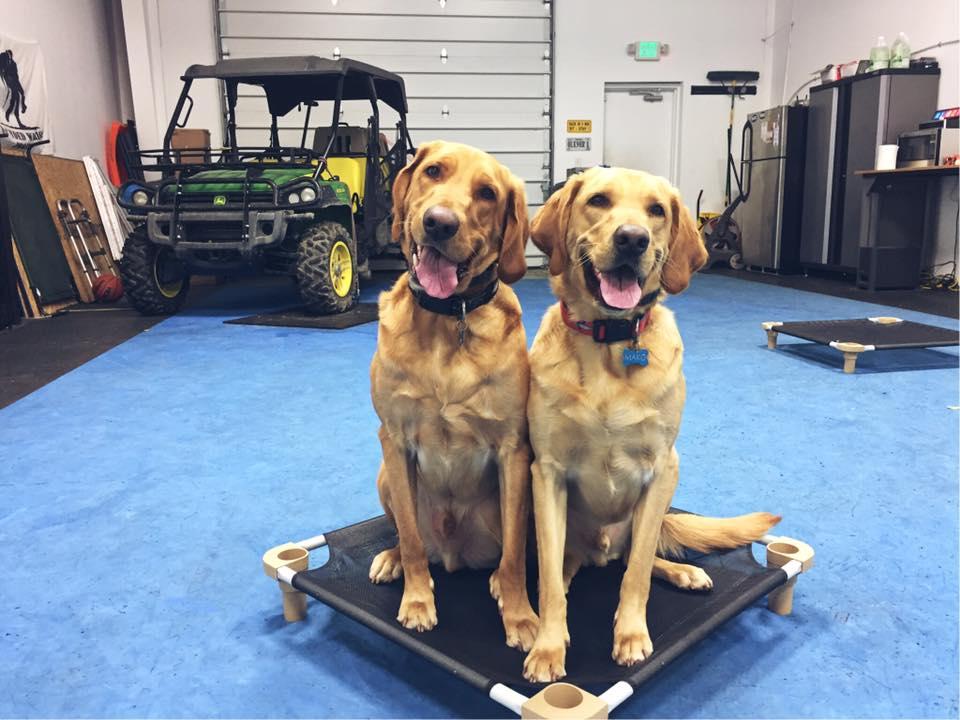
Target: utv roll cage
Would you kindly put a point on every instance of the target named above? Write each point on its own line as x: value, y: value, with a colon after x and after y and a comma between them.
x: 287, y: 83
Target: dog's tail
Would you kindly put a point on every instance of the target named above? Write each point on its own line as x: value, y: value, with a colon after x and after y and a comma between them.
x: 705, y: 534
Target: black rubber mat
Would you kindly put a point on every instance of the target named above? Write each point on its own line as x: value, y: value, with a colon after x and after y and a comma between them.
x: 298, y: 317
x: 469, y: 642
x: 895, y: 336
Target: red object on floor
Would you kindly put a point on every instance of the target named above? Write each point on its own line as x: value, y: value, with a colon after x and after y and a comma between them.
x: 107, y: 288
x: 115, y: 171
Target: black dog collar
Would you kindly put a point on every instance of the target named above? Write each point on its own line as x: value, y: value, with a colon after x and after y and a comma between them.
x: 480, y: 291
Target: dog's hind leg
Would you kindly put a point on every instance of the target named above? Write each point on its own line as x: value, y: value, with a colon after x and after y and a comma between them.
x: 571, y: 566
x: 685, y: 577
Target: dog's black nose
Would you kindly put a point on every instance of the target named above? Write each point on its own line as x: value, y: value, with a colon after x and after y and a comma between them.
x: 440, y: 223
x: 631, y: 238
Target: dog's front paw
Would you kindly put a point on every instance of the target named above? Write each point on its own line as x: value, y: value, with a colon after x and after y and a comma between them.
x: 631, y: 646
x: 545, y: 663
x: 418, y: 612
x: 386, y: 566
x: 521, y: 625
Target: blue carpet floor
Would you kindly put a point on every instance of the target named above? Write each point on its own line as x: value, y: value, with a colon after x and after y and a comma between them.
x: 138, y: 492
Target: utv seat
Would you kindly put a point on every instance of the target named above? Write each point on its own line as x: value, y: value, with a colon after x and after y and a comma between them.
x: 347, y: 158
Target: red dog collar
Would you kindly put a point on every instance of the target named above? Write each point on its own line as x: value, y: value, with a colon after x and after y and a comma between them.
x: 607, y: 331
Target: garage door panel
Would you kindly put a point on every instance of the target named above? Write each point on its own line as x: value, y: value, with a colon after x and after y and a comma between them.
x: 401, y: 57
x: 489, y: 140
x: 492, y: 141
x: 489, y: 114
x: 494, y: 86
x: 528, y: 166
x: 253, y: 112
x: 460, y: 119
x: 489, y: 8
x: 421, y: 86
x: 334, y: 26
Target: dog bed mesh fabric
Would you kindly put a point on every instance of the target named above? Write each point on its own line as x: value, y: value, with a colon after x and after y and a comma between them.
x: 469, y: 642
x: 894, y: 336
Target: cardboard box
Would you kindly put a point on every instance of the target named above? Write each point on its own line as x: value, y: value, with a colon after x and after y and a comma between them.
x: 191, y: 139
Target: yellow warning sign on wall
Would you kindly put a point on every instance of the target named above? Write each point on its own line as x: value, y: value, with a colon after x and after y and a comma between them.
x: 579, y: 126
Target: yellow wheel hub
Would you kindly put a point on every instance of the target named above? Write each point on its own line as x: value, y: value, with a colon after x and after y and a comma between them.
x: 169, y: 280
x: 341, y: 268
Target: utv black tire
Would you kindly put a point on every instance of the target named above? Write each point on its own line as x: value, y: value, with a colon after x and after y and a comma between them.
x: 327, y: 272
x: 142, y: 270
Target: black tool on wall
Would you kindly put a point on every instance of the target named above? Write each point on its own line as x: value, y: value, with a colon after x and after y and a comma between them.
x: 722, y: 234
x: 735, y: 84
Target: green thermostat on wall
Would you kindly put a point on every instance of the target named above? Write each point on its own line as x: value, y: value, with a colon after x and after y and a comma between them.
x: 647, y: 50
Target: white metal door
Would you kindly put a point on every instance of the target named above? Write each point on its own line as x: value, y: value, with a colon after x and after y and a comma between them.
x: 477, y: 72
x: 641, y: 127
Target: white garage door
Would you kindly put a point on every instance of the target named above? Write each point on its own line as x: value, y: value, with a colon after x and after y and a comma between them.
x: 476, y: 71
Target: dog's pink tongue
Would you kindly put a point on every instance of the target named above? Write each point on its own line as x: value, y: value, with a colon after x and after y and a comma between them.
x: 620, y: 290
x: 436, y: 274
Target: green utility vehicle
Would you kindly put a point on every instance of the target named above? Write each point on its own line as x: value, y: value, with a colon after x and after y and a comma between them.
x: 316, y: 212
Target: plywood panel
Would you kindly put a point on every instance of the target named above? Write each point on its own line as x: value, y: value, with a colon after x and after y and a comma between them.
x: 63, y: 179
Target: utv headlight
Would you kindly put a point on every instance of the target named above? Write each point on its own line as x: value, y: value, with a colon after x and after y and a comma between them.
x: 308, y: 194
x: 140, y: 197
x: 293, y: 198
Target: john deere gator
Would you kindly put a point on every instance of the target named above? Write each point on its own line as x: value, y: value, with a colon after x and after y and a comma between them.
x: 316, y: 211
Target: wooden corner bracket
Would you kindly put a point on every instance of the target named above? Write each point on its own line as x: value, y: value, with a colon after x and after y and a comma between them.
x: 794, y: 557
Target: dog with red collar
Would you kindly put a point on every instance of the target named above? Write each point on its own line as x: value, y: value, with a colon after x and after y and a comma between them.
x: 606, y: 397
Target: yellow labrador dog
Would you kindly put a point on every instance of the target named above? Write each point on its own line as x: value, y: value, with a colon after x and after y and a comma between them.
x: 449, y: 381
x: 606, y: 396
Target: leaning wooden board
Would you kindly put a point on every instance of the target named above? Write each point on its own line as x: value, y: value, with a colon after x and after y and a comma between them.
x: 63, y: 179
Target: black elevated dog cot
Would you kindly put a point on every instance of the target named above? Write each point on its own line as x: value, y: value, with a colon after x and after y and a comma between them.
x: 852, y: 337
x: 468, y: 640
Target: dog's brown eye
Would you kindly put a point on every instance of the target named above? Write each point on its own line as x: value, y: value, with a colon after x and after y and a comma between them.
x: 657, y: 209
x: 599, y: 200
x: 486, y: 193
x: 433, y: 171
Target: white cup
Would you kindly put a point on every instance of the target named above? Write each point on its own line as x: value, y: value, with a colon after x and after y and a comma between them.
x: 887, y: 157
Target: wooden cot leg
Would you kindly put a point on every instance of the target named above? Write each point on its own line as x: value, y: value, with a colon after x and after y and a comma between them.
x: 780, y: 552
x: 771, y: 329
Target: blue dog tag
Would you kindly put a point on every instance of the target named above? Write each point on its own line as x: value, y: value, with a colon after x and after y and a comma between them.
x: 635, y: 357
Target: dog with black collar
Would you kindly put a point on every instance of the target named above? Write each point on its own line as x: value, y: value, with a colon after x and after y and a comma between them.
x: 449, y: 381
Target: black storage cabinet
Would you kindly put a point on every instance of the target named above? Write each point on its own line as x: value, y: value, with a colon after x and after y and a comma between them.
x: 847, y: 120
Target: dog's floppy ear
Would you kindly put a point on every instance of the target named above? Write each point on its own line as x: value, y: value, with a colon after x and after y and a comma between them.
x: 549, y: 226
x: 516, y: 230
x: 401, y: 183
x: 687, y: 253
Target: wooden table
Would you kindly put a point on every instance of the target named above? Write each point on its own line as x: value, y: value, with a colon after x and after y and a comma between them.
x: 897, y: 225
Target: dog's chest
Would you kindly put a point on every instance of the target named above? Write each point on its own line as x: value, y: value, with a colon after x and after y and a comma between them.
x: 451, y: 416
x: 444, y: 402
x: 614, y: 455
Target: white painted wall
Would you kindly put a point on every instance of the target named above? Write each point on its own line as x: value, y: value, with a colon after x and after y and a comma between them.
x: 591, y: 41
x: 163, y: 38
x: 826, y: 31
x: 812, y: 33
x: 78, y: 50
